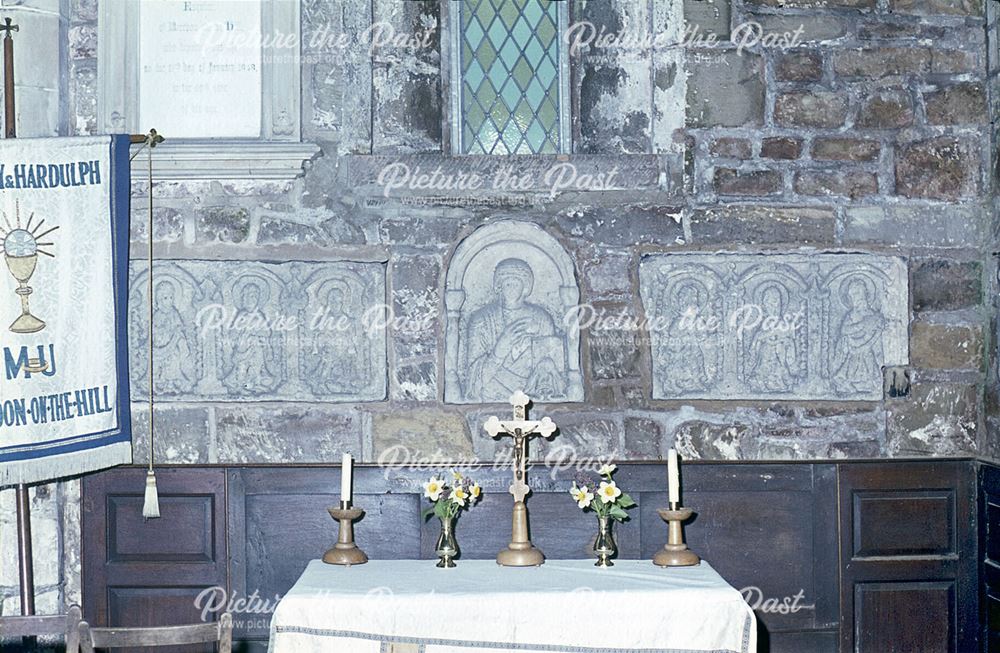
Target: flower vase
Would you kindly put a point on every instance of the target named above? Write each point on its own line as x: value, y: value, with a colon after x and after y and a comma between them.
x: 446, y: 547
x: 604, y: 545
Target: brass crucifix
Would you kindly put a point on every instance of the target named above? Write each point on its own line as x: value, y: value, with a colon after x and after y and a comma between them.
x: 520, y: 552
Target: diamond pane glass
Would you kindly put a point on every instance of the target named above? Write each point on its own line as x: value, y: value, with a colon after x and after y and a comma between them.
x: 510, y: 80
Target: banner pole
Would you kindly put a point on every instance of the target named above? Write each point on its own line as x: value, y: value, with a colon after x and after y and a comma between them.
x: 10, y: 120
x: 24, y: 552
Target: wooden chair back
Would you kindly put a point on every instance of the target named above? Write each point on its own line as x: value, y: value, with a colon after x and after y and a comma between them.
x: 64, y: 626
x: 219, y: 632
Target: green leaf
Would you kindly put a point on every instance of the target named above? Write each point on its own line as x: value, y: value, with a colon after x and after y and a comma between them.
x: 618, y: 513
x: 625, y: 501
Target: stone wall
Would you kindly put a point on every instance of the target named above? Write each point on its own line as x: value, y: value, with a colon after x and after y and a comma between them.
x: 852, y: 126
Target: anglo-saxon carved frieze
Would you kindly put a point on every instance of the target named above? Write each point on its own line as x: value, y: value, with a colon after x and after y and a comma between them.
x: 242, y: 331
x: 774, y: 326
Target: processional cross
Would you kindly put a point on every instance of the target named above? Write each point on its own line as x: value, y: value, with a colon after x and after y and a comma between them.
x: 8, y: 27
x: 520, y: 552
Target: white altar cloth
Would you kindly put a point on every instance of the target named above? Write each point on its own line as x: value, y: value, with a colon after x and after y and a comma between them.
x: 411, y: 606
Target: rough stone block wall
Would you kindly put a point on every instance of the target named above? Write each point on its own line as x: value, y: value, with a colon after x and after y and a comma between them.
x: 858, y: 126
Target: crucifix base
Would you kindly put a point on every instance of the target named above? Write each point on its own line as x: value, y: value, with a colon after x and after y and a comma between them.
x: 520, y: 552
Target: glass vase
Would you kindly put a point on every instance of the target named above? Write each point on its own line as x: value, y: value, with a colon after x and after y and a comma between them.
x: 446, y: 547
x: 604, y: 545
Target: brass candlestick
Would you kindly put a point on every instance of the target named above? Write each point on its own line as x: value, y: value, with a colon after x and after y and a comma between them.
x: 675, y: 552
x: 345, y: 551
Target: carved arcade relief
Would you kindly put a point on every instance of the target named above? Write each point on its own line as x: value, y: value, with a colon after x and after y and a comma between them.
x: 774, y: 326
x: 242, y: 331
x: 510, y: 286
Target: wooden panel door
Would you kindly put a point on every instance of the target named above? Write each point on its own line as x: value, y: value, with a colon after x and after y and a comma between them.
x: 152, y: 573
x: 908, y: 557
x: 989, y: 555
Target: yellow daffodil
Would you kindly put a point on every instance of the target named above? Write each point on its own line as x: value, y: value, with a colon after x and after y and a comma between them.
x: 582, y: 496
x: 433, y: 488
x: 607, y: 469
x: 458, y: 496
x: 608, y: 492
x: 475, y: 491
x: 457, y: 476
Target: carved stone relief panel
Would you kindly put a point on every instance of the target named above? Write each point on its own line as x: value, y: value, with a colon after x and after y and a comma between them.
x: 774, y: 326
x: 243, y: 331
x: 511, y: 298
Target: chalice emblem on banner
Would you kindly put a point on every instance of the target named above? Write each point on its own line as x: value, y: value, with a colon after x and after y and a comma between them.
x: 21, y: 247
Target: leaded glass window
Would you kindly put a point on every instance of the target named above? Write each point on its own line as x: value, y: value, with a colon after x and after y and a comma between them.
x: 511, y: 66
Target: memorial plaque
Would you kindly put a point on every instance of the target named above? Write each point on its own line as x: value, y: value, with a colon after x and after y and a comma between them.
x: 200, y: 67
x: 247, y: 331
x: 774, y: 326
x: 511, y: 291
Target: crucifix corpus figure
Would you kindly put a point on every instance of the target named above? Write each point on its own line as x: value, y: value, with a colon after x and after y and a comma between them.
x: 520, y: 552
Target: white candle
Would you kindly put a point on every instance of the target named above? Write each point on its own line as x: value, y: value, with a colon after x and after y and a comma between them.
x: 673, y: 482
x: 345, y: 478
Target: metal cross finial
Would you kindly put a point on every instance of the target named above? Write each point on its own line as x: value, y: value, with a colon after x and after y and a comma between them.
x: 9, y: 27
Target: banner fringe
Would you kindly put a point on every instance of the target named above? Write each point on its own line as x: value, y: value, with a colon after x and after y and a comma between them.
x: 65, y: 465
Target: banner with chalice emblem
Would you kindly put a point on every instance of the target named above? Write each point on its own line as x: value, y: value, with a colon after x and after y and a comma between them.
x: 64, y: 234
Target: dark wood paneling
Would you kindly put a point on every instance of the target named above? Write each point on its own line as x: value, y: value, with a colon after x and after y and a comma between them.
x: 770, y: 527
x: 185, y: 531
x: 279, y: 522
x: 903, y: 524
x: 884, y: 617
x: 909, y: 567
x: 989, y: 546
x: 158, y: 606
x: 284, y: 532
x: 767, y: 530
x: 809, y: 641
x: 131, y: 565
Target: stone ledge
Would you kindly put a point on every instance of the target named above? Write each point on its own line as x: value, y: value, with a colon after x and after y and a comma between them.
x: 213, y: 160
x: 484, y: 178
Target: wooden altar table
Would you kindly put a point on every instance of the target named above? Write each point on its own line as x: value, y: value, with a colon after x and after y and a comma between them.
x: 411, y: 606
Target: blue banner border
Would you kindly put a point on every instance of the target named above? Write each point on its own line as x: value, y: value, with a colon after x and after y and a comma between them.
x: 120, y: 222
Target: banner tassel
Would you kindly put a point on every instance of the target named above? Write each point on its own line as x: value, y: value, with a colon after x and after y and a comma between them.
x: 151, y: 506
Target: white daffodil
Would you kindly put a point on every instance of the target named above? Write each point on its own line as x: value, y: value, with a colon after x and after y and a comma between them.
x: 433, y: 488
x: 582, y: 496
x: 608, y: 492
x: 475, y: 491
x: 458, y: 496
x: 607, y: 469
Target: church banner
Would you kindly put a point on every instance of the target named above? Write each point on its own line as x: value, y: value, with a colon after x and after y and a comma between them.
x: 64, y: 230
